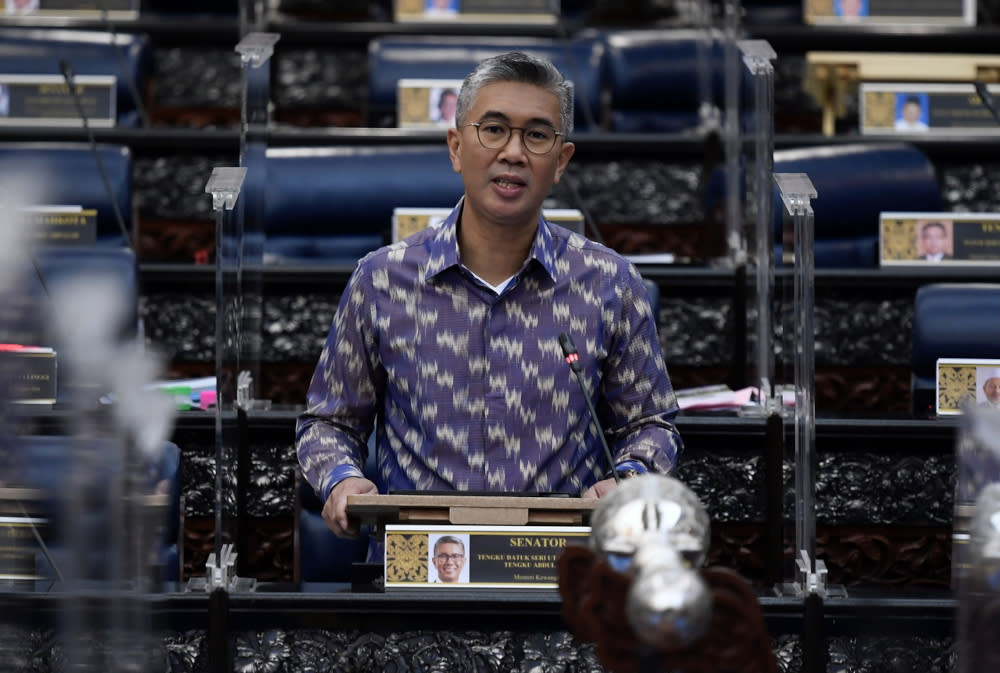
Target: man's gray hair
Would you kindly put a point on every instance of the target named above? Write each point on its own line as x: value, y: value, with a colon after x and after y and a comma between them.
x: 516, y: 66
x: 448, y: 539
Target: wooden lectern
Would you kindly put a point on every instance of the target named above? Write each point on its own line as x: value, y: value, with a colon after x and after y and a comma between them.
x: 470, y: 510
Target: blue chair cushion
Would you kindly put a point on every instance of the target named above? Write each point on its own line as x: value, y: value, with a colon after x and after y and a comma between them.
x: 38, y: 52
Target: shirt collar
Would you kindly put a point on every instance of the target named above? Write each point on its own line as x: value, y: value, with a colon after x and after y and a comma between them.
x: 444, y: 246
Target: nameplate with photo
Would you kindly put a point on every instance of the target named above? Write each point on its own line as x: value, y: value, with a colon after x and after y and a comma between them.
x: 478, y: 11
x: 954, y: 239
x: 964, y: 383
x: 496, y: 557
x: 18, y: 530
x: 45, y: 100
x: 29, y: 373
x: 854, y: 12
x: 427, y: 103
x: 408, y: 221
x: 61, y: 225
x: 82, y: 9
x: 926, y: 109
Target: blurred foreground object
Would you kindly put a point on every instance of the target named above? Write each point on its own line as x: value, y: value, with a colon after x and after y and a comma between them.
x: 638, y: 592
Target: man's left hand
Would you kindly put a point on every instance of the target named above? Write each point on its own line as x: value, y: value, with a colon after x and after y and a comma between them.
x: 600, y: 489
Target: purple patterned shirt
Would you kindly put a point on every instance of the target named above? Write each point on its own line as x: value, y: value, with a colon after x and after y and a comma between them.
x: 471, y: 388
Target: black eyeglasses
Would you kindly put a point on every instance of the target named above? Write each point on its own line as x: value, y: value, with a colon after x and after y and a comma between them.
x: 493, y: 135
x: 443, y: 558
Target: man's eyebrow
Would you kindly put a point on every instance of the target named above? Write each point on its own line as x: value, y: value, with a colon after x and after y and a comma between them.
x: 534, y: 121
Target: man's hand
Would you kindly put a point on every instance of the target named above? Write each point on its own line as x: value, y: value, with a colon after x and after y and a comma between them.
x: 335, y: 509
x: 600, y: 489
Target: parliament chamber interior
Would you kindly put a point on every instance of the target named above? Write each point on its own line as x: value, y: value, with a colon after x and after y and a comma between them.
x: 220, y: 167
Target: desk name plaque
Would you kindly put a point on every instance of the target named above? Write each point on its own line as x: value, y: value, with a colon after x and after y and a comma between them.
x: 854, y: 12
x: 116, y: 10
x: 61, y: 225
x: 29, y: 373
x: 497, y: 557
x: 925, y: 109
x: 45, y: 100
x: 950, y: 239
x: 965, y: 381
x: 481, y: 11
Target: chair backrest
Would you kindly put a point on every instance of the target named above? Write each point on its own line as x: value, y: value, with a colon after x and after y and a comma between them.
x: 66, y: 174
x: 124, y: 56
x: 951, y: 320
x: 393, y: 58
x: 334, y: 204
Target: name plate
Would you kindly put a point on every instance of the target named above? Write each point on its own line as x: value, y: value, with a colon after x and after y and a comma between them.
x: 61, y: 225
x: 29, y: 373
x: 499, y: 557
x: 45, y: 100
x: 929, y: 109
x: 957, y: 239
x: 18, y: 547
x: 961, y: 12
x: 962, y: 381
x: 484, y: 11
x: 408, y: 221
x: 427, y: 103
x: 113, y: 9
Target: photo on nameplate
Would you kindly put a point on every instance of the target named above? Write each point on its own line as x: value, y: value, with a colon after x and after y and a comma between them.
x: 947, y: 239
x: 479, y: 11
x: 853, y: 12
x: 115, y: 10
x: 408, y: 221
x: 427, y: 103
x: 498, y: 557
x: 925, y: 109
x: 964, y: 381
x: 46, y: 100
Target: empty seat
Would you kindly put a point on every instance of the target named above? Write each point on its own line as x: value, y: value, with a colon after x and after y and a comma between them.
x: 66, y: 174
x: 334, y: 204
x: 391, y: 59
x: 951, y: 320
x: 129, y: 58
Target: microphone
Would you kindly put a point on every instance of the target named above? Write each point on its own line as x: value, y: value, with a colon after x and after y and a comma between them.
x: 67, y: 74
x: 573, y: 360
x: 987, y: 98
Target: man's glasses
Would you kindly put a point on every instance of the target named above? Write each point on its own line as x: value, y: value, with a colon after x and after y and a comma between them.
x: 444, y: 558
x: 496, y: 134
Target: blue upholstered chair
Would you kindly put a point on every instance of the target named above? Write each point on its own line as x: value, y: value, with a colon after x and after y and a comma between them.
x: 334, y: 204
x: 68, y: 470
x: 436, y: 57
x: 653, y: 78
x: 951, y: 320
x: 854, y: 184
x: 39, y: 52
x: 66, y: 174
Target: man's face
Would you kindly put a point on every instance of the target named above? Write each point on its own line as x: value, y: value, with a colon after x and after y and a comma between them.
x: 506, y: 186
x: 933, y: 240
x: 449, y: 559
x: 911, y: 112
x: 992, y: 389
x: 850, y: 7
x: 448, y: 105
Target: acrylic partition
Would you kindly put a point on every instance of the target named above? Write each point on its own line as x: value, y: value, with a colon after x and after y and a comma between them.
x: 976, y: 540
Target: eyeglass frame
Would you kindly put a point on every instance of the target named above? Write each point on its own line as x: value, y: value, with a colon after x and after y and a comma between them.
x: 510, y: 133
x: 444, y: 558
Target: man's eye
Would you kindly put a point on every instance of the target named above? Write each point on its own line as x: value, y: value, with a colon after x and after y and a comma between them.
x: 493, y: 129
x: 539, y: 134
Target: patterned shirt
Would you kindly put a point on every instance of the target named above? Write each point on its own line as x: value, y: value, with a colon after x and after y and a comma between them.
x: 471, y: 388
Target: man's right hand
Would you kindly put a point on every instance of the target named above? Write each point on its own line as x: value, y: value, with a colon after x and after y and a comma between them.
x: 335, y: 509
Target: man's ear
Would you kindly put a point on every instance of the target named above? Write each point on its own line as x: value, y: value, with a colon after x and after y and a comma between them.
x: 565, y: 153
x: 454, y: 143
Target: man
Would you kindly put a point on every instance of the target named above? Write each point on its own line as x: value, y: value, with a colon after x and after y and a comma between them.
x: 451, y: 337
x: 448, y: 558
x: 991, y: 389
x: 933, y: 237
x: 909, y: 119
x: 446, y: 107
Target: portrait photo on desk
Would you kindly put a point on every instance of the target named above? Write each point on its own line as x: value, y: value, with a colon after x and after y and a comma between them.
x: 912, y: 111
x: 441, y: 9
x: 20, y: 6
x: 935, y: 242
x: 988, y: 387
x: 443, y: 105
x: 850, y: 9
x: 448, y: 559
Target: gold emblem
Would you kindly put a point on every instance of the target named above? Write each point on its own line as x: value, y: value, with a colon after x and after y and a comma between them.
x: 956, y: 385
x: 899, y: 239
x: 406, y: 557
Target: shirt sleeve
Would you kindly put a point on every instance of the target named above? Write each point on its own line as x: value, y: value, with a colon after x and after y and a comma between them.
x: 342, y: 400
x: 638, y: 400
